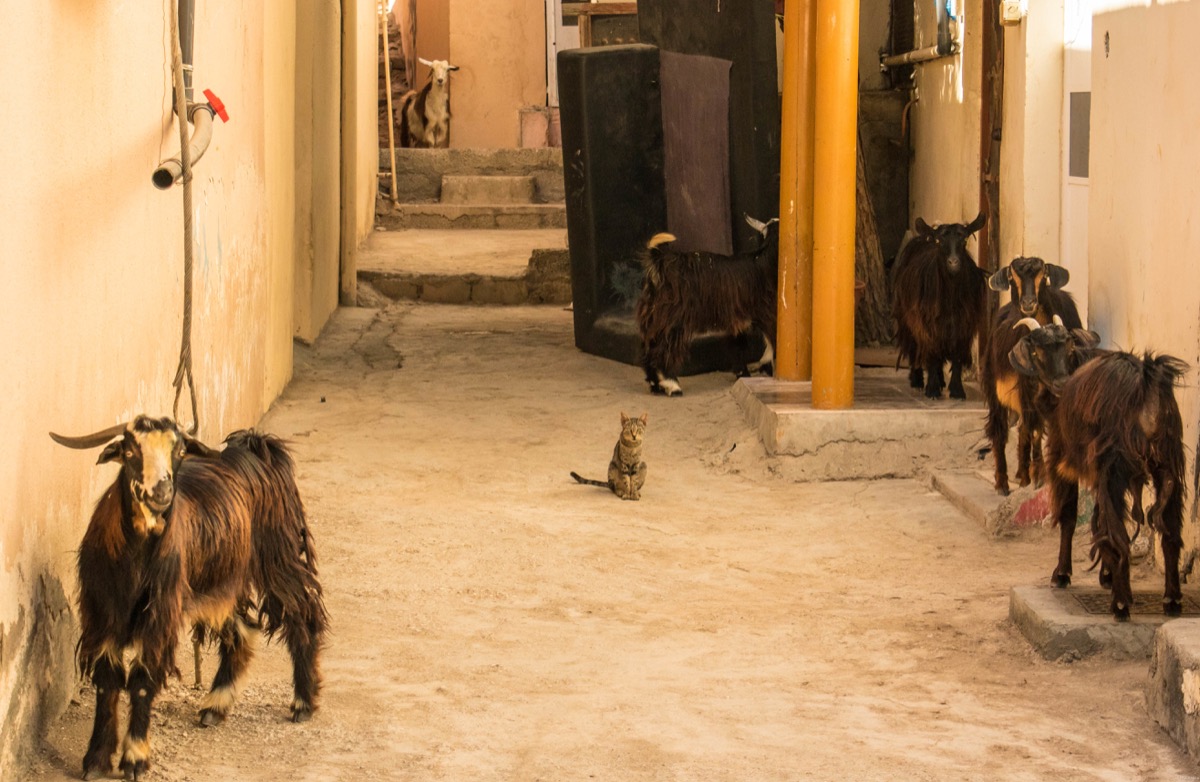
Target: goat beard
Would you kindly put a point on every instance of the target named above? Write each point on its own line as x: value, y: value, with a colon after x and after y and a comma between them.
x: 147, y: 521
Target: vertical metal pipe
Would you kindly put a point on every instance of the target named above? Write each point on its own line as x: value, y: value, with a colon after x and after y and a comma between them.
x: 793, y: 352
x: 836, y: 136
x: 187, y: 28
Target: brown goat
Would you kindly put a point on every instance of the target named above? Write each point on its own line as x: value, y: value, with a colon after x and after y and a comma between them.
x: 1113, y: 425
x: 188, y: 534
x: 688, y: 294
x: 938, y: 297
x: 1036, y: 293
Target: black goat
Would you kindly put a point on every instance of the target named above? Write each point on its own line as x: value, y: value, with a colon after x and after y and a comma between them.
x: 1036, y: 288
x: 1113, y: 425
x: 187, y: 534
x: 938, y: 298
x: 688, y: 294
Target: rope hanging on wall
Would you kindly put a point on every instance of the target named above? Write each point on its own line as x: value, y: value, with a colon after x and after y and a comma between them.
x: 184, y: 370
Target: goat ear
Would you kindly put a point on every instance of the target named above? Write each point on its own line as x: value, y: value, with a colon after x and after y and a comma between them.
x: 1001, y: 279
x: 452, y: 67
x: 1021, y: 360
x: 196, y: 448
x: 977, y: 223
x: 1085, y: 338
x: 111, y: 452
x: 1058, y: 275
x: 923, y: 227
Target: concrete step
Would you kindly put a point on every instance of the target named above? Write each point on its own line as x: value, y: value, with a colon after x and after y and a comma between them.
x: 1073, y: 623
x: 479, y: 189
x: 1173, y: 692
x: 461, y: 267
x: 420, y: 171
x: 892, y: 431
x: 469, y: 216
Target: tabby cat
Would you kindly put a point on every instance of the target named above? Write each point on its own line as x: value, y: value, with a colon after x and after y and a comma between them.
x: 626, y: 471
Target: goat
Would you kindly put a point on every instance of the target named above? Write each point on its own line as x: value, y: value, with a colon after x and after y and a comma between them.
x: 187, y: 533
x: 1036, y: 288
x: 938, y: 296
x: 685, y: 295
x: 1113, y: 425
x: 425, y: 113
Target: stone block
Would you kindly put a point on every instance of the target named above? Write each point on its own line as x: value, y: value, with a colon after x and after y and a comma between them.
x: 1173, y: 689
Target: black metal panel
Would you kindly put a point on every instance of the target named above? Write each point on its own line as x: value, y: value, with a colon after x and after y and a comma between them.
x: 613, y: 171
x: 743, y: 32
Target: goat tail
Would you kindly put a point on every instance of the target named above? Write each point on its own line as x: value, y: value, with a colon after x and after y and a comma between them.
x: 658, y: 240
x: 590, y: 482
x: 1162, y: 371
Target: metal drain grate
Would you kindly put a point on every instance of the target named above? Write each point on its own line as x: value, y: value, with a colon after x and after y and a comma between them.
x: 1147, y: 603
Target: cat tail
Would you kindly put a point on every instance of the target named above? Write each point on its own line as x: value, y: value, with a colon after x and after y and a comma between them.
x: 589, y: 481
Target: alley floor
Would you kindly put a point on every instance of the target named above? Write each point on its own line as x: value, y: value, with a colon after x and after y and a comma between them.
x: 493, y: 620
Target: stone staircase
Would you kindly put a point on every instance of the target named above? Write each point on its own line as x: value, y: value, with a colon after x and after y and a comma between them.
x: 470, y: 226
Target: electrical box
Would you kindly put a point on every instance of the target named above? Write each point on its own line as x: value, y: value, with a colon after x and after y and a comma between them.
x: 1013, y: 11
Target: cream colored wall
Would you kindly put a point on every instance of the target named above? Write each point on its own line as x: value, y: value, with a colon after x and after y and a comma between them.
x: 317, y: 138
x: 1143, y: 235
x: 500, y: 48
x: 360, y: 137
x: 944, y: 177
x: 91, y: 259
x: 1031, y: 150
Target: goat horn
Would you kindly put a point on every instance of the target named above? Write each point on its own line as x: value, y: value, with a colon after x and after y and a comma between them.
x: 91, y: 440
x: 1057, y: 321
x: 1030, y: 323
x: 423, y: 61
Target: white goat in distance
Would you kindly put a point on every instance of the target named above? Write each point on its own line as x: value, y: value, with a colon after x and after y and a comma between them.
x: 425, y: 113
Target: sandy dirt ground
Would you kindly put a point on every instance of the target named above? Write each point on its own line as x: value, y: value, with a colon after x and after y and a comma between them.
x: 492, y: 620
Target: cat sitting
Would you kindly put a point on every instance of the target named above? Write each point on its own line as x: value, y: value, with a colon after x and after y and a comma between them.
x: 626, y: 471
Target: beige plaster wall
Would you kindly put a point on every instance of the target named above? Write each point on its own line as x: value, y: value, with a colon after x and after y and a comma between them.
x: 91, y: 262
x: 433, y: 34
x: 1031, y: 150
x: 500, y: 48
x: 360, y: 137
x: 317, y: 135
x: 944, y: 177
x: 1144, y: 239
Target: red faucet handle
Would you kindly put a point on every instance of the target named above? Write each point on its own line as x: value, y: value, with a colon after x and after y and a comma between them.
x: 217, y: 105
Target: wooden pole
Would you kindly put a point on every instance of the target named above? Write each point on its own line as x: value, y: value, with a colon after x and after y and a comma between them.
x: 834, y: 213
x: 794, y: 331
x: 387, y: 83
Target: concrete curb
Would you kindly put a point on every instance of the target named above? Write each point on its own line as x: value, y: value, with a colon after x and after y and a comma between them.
x: 1058, y: 627
x: 1173, y: 688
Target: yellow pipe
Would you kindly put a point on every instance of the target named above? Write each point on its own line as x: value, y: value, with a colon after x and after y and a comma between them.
x: 836, y: 136
x: 793, y: 344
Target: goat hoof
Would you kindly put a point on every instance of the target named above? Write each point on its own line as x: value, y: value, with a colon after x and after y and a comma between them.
x: 210, y: 718
x: 135, y: 769
x: 1060, y: 581
x: 1172, y: 608
x: 1002, y: 489
x: 1121, y: 614
x: 301, y: 715
x: 958, y: 394
x: 100, y: 771
x: 933, y: 393
x: 1105, y: 579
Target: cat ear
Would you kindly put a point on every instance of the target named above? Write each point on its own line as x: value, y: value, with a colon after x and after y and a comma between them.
x: 624, y: 418
x: 643, y: 418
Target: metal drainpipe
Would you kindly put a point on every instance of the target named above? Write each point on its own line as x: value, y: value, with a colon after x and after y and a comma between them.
x: 170, y: 171
x: 187, y: 29
x: 946, y: 45
x: 199, y: 114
